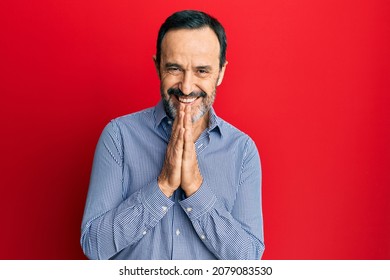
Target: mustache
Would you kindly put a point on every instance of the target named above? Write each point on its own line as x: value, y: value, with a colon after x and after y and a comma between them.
x: 178, y: 93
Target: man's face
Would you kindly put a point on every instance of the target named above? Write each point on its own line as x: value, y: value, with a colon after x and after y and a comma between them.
x: 189, y: 71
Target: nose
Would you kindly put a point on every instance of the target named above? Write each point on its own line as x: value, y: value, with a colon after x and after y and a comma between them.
x: 186, y: 83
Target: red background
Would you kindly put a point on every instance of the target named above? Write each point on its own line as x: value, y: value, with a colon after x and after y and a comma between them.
x: 307, y: 80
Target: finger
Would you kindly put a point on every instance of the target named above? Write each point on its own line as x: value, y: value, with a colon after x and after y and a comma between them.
x: 180, y: 139
x: 176, y: 120
x: 177, y: 152
x: 188, y: 125
x: 177, y: 125
x: 189, y: 146
x: 188, y: 118
x: 171, y: 172
x: 175, y: 148
x: 175, y: 145
x: 178, y: 128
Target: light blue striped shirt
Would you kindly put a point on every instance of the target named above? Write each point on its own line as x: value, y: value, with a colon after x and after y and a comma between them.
x: 128, y: 217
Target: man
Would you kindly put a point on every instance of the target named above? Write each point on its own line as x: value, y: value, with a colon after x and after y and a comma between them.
x: 175, y: 181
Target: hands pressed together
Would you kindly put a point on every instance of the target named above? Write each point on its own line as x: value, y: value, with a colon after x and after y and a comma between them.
x: 180, y: 167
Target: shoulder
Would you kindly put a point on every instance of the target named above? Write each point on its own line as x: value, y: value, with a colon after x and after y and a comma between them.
x: 244, y: 144
x: 241, y: 141
x: 232, y: 133
x: 141, y: 117
x: 123, y: 126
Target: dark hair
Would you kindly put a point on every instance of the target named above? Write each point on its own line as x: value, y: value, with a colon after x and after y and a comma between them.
x: 191, y: 19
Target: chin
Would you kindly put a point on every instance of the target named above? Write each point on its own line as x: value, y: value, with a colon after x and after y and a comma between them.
x: 200, y: 113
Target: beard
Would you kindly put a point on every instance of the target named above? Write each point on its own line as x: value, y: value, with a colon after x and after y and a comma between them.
x: 202, y: 109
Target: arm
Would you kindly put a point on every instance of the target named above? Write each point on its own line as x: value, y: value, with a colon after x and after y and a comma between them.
x: 237, y: 234
x: 228, y: 235
x: 112, y: 222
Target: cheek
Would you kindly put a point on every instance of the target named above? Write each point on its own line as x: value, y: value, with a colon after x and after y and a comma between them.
x: 209, y: 99
x: 167, y: 81
x: 209, y: 87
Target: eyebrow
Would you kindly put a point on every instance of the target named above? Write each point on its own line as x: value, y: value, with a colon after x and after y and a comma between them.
x: 205, y: 67
x: 168, y: 64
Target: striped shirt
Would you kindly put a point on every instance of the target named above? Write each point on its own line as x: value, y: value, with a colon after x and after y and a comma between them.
x: 128, y: 217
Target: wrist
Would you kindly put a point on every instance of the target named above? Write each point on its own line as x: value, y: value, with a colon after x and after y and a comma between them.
x: 164, y: 187
x: 193, y: 188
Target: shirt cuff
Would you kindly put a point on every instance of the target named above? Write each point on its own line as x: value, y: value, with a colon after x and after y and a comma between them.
x: 155, y: 201
x: 200, y: 202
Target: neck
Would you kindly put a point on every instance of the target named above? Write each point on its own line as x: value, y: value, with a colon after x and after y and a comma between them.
x: 199, y: 126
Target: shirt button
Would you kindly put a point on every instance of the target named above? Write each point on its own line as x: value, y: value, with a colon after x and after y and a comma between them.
x: 144, y: 232
x: 189, y: 209
x: 177, y: 232
x: 169, y: 122
x: 164, y: 208
x: 202, y: 237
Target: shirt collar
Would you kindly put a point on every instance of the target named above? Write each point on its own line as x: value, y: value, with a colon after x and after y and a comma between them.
x: 214, y: 121
x: 160, y: 114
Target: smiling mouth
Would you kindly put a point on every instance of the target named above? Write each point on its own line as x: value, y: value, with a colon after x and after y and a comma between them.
x: 186, y: 100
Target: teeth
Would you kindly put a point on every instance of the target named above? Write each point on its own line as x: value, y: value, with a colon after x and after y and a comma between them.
x: 186, y: 100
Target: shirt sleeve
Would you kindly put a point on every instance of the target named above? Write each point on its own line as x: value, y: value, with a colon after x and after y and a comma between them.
x: 235, y: 234
x: 112, y: 222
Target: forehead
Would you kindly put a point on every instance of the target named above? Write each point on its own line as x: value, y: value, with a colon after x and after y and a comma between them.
x: 190, y: 43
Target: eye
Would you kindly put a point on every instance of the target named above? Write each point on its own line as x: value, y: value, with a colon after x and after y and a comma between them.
x: 203, y: 72
x: 174, y: 70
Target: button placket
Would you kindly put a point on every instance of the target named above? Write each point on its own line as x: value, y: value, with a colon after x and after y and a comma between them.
x: 202, y: 142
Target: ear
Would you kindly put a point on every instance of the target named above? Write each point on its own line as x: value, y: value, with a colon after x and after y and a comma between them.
x: 221, y: 74
x: 156, y: 65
